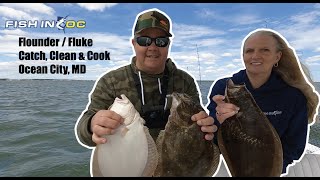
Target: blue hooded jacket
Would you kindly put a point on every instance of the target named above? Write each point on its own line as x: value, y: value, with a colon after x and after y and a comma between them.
x: 284, y: 106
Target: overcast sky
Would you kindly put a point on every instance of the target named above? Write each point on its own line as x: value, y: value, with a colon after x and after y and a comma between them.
x: 216, y: 29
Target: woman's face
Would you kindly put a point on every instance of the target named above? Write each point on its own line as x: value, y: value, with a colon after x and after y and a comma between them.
x: 260, y: 54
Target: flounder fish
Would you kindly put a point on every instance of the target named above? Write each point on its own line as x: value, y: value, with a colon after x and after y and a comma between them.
x: 130, y: 151
x: 183, y: 151
x: 248, y: 142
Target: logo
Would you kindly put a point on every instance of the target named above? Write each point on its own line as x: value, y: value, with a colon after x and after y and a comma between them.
x: 62, y: 23
x: 163, y: 23
x: 273, y: 113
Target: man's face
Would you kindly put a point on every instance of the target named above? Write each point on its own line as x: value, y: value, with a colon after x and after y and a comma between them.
x: 151, y: 59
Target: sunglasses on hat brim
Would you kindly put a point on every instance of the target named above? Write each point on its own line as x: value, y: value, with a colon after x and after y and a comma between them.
x: 147, y: 41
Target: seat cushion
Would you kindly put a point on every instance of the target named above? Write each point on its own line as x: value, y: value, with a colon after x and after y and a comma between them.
x: 309, y: 166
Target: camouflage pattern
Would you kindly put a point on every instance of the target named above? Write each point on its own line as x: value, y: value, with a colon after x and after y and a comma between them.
x: 152, y: 19
x: 120, y: 81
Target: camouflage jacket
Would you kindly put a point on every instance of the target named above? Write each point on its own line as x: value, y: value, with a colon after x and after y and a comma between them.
x: 121, y: 81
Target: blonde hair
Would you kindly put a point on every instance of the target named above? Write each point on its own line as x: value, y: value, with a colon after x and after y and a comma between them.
x: 289, y: 70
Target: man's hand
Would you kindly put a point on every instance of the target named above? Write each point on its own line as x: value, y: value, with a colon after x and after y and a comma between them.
x: 206, y: 123
x: 104, y: 122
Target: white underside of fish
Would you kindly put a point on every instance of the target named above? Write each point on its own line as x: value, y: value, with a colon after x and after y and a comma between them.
x: 130, y: 151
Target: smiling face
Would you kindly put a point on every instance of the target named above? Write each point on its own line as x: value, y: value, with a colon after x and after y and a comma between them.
x: 151, y: 59
x: 260, y: 53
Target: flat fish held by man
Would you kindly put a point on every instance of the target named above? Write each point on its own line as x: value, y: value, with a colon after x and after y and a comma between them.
x: 182, y: 148
x: 248, y: 142
x: 130, y: 151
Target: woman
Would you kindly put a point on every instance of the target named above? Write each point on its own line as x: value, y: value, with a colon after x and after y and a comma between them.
x: 279, y: 86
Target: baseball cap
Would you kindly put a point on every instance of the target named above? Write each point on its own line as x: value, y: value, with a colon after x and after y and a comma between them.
x: 152, y: 19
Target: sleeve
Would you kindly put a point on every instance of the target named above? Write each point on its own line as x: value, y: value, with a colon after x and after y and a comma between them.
x: 187, y: 85
x: 193, y: 90
x: 294, y: 139
x: 101, y: 97
x: 217, y: 88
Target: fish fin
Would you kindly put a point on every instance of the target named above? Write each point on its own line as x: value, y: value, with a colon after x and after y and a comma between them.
x: 224, y: 152
x: 159, y: 143
x: 153, y: 155
x: 215, y: 160
x: 95, y: 169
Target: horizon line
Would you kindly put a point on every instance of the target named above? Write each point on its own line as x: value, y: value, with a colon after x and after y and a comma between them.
x: 86, y: 79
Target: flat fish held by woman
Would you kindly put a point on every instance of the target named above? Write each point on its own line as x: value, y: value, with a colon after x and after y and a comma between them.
x: 183, y: 150
x: 248, y: 142
x: 130, y: 151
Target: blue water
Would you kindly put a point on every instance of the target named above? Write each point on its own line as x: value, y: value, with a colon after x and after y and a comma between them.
x: 37, y: 127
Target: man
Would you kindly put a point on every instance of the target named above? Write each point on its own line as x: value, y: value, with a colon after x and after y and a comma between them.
x: 146, y: 82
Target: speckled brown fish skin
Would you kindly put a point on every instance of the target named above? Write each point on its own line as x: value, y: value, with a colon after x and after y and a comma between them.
x: 183, y: 151
x: 248, y: 141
